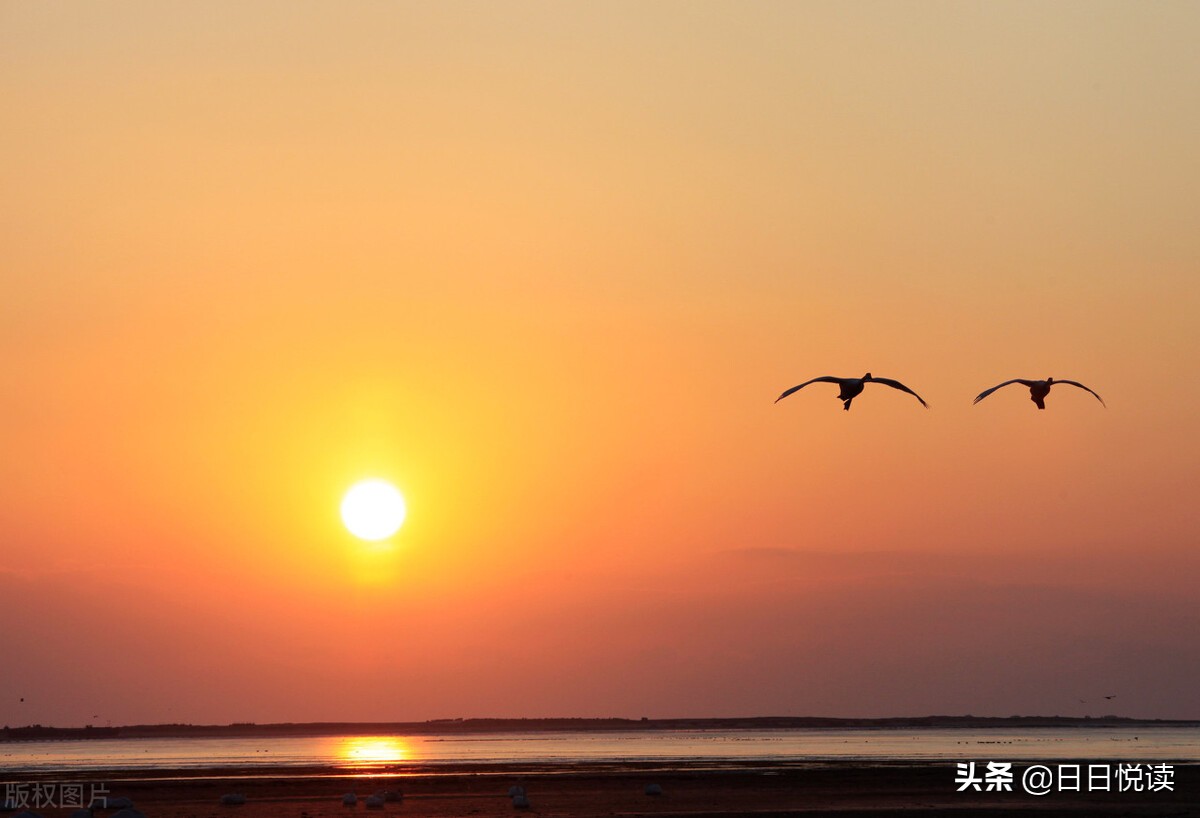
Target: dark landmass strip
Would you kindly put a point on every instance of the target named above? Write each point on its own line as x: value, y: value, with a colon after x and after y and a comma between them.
x: 455, y: 726
x: 34, y: 732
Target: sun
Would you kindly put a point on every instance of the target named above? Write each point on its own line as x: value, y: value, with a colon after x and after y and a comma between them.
x: 373, y: 510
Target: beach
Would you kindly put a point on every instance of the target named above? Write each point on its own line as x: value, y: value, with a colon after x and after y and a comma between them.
x: 590, y: 791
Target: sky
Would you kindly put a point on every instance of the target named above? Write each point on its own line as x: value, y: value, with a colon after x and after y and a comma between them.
x: 545, y: 267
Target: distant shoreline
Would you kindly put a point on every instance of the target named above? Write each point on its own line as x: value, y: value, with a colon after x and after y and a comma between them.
x: 483, y: 725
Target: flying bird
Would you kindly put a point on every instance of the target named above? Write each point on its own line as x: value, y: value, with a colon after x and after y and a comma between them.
x: 1038, y: 390
x: 853, y: 387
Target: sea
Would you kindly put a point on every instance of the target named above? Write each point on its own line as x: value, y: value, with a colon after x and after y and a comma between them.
x: 429, y: 754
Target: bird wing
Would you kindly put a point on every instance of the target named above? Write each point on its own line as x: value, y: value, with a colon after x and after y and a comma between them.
x: 825, y: 379
x: 901, y: 387
x: 1081, y: 386
x: 987, y: 392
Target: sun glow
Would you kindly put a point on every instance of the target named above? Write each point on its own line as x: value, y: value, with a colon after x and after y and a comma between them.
x: 373, y: 510
x: 370, y: 751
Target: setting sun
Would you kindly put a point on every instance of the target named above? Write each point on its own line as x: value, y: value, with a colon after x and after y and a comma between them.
x: 373, y: 510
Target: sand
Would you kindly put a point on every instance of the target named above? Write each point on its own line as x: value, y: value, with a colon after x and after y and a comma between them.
x: 844, y: 789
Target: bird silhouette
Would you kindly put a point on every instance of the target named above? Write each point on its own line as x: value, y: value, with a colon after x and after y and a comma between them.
x: 1038, y: 390
x: 851, y: 388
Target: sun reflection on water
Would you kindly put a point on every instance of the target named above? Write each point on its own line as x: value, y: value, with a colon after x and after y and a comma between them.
x: 365, y: 752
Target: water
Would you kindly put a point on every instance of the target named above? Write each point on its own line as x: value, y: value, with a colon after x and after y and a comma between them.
x: 428, y: 753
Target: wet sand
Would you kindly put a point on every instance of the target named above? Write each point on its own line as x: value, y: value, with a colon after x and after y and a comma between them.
x: 845, y: 789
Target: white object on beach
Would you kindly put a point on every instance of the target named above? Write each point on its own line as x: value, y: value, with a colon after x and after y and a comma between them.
x: 520, y: 802
x: 653, y: 789
x: 349, y: 799
x: 233, y: 799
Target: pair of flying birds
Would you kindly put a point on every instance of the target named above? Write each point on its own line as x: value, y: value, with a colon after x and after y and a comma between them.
x: 853, y: 387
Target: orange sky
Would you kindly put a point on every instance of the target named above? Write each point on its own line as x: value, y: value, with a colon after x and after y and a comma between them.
x: 546, y: 267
